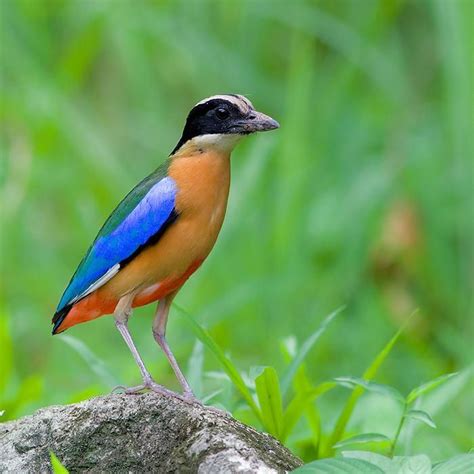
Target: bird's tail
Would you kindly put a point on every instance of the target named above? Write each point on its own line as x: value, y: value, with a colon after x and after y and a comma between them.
x: 59, y: 317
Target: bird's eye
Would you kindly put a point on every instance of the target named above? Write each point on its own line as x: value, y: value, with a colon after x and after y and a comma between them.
x: 222, y: 113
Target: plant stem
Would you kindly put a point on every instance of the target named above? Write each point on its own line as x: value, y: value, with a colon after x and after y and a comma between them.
x: 399, y: 430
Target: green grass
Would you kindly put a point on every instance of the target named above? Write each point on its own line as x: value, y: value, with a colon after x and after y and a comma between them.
x: 362, y: 198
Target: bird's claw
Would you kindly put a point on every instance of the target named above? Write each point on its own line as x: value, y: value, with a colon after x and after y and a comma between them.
x: 129, y: 390
x: 187, y: 396
x: 157, y: 388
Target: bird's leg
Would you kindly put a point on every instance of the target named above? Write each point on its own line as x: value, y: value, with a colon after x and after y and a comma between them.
x: 121, y: 315
x: 159, y: 330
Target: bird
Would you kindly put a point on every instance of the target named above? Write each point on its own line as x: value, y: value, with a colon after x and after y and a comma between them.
x: 162, y: 231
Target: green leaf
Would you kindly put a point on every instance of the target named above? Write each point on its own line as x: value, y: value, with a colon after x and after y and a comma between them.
x: 382, y: 462
x: 56, y: 464
x: 428, y: 387
x: 353, y: 382
x: 419, y: 464
x: 362, y: 439
x: 303, y: 386
x: 313, y: 418
x: 303, y: 352
x: 422, y: 416
x: 445, y: 394
x: 373, y: 368
x: 460, y: 464
x: 298, y: 405
x: 368, y: 375
x: 269, y: 397
x: 338, y: 466
x: 227, y: 365
x: 254, y: 372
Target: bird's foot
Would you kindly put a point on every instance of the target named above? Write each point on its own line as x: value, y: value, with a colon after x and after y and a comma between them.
x: 151, y: 385
x: 129, y: 390
x: 148, y: 384
x: 157, y: 388
x: 189, y: 397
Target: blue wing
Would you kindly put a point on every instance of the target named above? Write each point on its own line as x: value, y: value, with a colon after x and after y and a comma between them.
x: 140, y: 218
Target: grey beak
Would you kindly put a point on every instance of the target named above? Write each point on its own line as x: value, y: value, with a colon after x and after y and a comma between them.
x: 256, y: 122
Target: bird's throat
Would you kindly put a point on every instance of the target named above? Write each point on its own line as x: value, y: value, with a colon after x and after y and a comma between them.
x: 212, y: 143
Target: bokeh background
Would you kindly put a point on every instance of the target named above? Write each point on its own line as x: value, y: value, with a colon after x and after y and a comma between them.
x: 363, y: 197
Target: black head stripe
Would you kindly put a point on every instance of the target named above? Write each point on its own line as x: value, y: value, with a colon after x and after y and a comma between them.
x: 203, y: 120
x: 202, y: 109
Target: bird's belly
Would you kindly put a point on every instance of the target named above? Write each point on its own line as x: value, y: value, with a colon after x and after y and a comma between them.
x: 164, y: 267
x: 159, y: 290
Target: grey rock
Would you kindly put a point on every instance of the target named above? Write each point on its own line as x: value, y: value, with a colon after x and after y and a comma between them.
x: 139, y: 433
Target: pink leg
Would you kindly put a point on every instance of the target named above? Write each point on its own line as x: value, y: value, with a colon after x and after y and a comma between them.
x: 159, y: 331
x: 121, y: 315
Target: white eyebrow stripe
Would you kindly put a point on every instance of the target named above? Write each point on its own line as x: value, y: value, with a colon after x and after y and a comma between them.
x: 238, y: 100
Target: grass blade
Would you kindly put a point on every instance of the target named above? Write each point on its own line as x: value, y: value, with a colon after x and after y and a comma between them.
x: 354, y: 382
x: 269, y: 397
x: 368, y: 375
x: 362, y: 439
x: 428, y: 387
x: 56, y: 465
x: 303, y: 352
x: 95, y: 364
x: 373, y: 368
x: 227, y: 365
x: 299, y: 404
x: 302, y: 402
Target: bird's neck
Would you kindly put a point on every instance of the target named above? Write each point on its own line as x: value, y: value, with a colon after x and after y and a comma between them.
x: 211, y: 143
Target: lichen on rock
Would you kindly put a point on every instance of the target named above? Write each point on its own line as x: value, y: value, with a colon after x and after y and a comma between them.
x: 139, y: 433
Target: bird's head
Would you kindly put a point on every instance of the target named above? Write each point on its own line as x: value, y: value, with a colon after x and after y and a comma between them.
x: 221, y: 120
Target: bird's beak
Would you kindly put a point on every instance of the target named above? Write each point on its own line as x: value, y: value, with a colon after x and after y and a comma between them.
x: 255, y: 122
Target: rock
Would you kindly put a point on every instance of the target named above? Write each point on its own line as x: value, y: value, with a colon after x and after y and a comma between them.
x: 139, y: 433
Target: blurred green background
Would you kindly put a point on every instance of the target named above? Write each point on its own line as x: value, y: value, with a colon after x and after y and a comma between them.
x: 363, y: 197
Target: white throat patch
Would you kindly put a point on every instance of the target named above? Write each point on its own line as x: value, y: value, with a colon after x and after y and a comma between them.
x: 220, y: 141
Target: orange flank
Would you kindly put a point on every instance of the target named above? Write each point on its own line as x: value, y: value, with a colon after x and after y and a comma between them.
x: 100, y: 303
x: 160, y: 290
